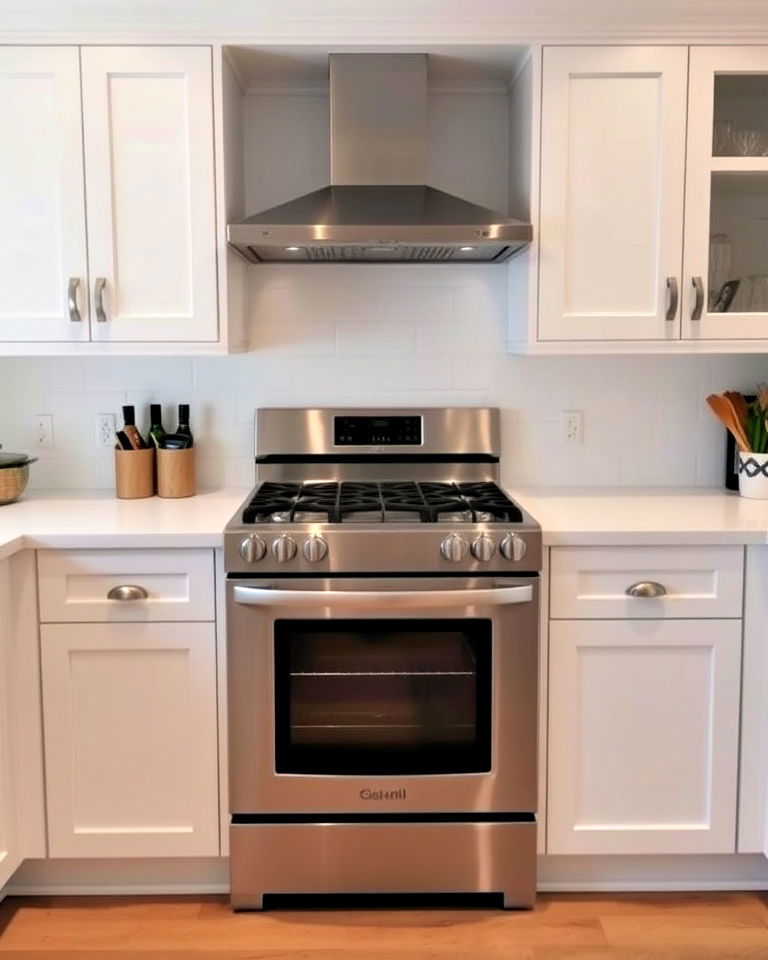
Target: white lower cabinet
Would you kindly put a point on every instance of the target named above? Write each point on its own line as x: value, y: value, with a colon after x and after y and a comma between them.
x: 643, y: 736
x: 131, y: 757
x: 10, y: 856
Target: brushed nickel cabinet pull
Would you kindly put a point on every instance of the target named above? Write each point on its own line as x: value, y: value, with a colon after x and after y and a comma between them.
x: 74, y: 313
x: 698, y: 304
x: 127, y: 591
x: 673, y: 298
x: 646, y: 590
x: 98, y: 297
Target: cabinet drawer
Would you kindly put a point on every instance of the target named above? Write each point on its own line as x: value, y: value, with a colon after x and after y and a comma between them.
x: 592, y: 582
x: 74, y: 585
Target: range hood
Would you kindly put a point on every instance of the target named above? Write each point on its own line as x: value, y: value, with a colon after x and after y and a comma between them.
x: 378, y: 208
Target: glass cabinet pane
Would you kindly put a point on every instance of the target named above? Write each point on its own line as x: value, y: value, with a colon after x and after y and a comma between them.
x: 738, y: 250
x: 379, y: 697
x: 740, y: 118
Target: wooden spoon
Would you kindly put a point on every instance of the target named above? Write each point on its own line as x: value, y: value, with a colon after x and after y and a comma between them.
x: 724, y: 410
x: 740, y: 406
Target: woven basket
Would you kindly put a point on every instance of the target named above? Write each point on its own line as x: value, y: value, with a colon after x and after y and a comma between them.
x: 13, y: 481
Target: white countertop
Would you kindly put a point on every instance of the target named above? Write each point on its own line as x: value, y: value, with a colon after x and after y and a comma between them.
x: 647, y: 515
x: 98, y: 519
x: 568, y: 516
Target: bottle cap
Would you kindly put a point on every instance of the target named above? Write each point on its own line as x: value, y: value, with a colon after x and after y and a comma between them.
x: 129, y: 415
x: 184, y: 413
x: 155, y: 412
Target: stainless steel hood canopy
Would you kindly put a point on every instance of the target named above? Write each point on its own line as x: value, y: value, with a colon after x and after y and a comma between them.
x: 378, y: 209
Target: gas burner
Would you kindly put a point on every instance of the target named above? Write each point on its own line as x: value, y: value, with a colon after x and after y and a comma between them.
x: 387, y: 502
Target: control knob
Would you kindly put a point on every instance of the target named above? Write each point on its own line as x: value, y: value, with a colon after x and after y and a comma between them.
x: 513, y: 547
x: 252, y: 548
x: 483, y: 548
x: 315, y: 549
x: 454, y: 547
x: 284, y: 548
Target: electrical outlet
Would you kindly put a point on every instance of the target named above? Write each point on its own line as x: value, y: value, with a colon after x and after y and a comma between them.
x: 573, y: 426
x: 43, y: 431
x: 106, y: 425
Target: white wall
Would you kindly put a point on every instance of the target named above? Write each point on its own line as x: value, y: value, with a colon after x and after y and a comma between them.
x: 432, y: 335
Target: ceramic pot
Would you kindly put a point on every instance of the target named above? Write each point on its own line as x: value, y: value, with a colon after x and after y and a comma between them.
x: 753, y: 475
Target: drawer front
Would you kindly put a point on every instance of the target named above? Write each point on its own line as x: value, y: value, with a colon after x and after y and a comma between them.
x: 75, y: 585
x: 592, y: 582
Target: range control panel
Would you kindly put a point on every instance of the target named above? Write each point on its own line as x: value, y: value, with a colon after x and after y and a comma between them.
x: 377, y: 431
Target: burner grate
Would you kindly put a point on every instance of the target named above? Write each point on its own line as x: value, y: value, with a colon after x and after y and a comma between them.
x: 387, y: 502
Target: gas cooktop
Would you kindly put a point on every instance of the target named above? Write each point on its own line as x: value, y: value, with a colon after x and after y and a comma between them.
x: 385, y: 502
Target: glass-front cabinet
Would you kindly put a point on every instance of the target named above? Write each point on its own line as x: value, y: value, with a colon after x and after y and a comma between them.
x: 725, y: 274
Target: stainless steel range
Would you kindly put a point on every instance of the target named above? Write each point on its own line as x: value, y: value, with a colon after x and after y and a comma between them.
x: 382, y: 596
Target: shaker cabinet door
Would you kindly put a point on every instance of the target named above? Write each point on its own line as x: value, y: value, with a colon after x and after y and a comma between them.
x: 130, y: 739
x: 725, y: 277
x: 43, y: 265
x: 643, y: 736
x: 148, y: 134
x: 612, y: 169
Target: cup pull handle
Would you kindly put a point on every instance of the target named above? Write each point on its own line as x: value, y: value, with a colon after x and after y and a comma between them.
x: 673, y: 299
x: 646, y: 590
x: 127, y: 591
x: 74, y: 313
x: 698, y: 303
x: 98, y: 297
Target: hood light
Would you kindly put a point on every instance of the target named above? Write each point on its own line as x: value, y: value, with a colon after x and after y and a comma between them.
x: 466, y: 249
x: 293, y: 249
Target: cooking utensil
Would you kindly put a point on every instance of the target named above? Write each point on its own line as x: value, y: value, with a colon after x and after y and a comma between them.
x: 724, y: 410
x: 739, y: 405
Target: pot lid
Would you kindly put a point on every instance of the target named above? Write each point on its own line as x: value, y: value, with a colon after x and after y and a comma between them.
x: 15, y: 460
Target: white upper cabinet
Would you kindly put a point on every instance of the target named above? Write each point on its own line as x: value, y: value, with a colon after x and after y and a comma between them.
x: 148, y: 134
x: 653, y: 232
x: 107, y: 194
x: 42, y: 207
x: 726, y: 238
x: 612, y: 174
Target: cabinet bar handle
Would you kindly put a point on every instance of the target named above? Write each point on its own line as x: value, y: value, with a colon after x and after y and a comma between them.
x: 98, y: 296
x: 673, y: 298
x: 698, y: 304
x: 646, y: 590
x: 74, y: 313
x: 127, y: 591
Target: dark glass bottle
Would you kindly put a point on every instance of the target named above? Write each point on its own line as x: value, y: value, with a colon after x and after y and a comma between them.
x: 156, y: 429
x: 130, y: 429
x: 183, y: 428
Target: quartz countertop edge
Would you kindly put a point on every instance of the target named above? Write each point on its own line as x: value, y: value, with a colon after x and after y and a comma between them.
x: 570, y: 516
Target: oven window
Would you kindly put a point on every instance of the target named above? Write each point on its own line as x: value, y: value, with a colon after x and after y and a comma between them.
x: 383, y: 697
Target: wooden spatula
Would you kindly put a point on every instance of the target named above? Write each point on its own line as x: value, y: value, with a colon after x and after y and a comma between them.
x: 724, y: 410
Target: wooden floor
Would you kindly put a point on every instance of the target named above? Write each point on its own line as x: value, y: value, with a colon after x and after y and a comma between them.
x: 572, y: 927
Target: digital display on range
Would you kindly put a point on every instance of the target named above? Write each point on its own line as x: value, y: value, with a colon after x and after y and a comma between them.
x: 377, y: 431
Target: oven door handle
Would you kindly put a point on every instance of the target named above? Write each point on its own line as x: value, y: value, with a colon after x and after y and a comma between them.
x: 376, y: 599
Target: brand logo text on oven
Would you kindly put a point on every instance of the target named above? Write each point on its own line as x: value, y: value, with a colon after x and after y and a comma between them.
x: 367, y: 794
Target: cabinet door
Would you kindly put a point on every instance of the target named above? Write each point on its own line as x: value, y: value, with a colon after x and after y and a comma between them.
x: 612, y: 168
x: 130, y: 739
x: 10, y: 857
x: 726, y: 212
x: 42, y: 202
x: 148, y: 129
x: 643, y: 736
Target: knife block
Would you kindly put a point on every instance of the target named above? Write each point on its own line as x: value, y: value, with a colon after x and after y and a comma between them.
x: 134, y: 474
x: 176, y: 473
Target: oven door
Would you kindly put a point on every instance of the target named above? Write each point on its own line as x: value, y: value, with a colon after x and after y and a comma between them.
x: 375, y: 696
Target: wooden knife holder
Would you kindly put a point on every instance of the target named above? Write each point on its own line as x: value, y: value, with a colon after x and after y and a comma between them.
x: 176, y: 473
x: 134, y: 474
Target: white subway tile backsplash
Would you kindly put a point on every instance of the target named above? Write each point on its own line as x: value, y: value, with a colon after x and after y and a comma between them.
x: 426, y: 335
